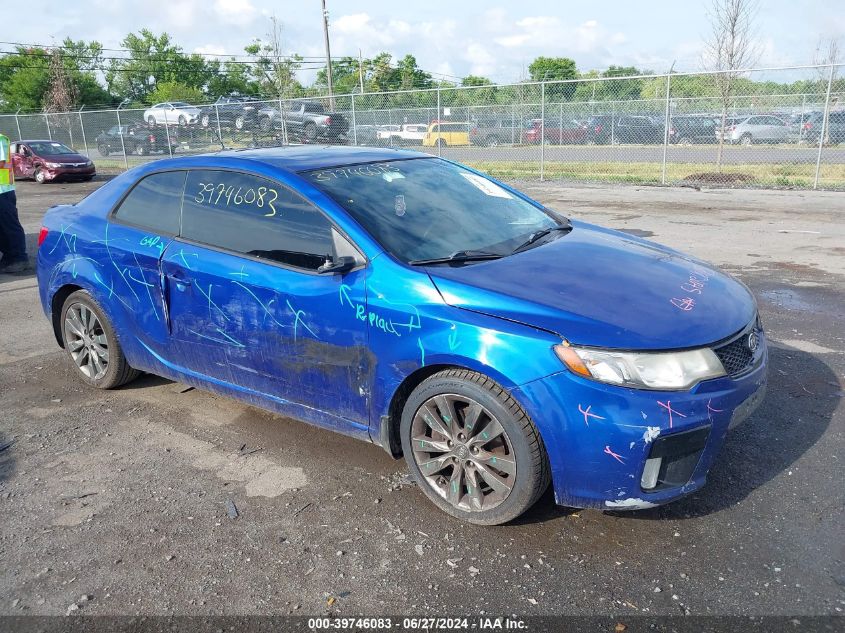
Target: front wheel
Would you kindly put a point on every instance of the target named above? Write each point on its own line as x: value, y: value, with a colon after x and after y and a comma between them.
x: 182, y: 120
x: 205, y: 120
x: 103, y: 149
x: 240, y: 122
x: 151, y: 120
x: 746, y: 139
x: 92, y: 344
x: 264, y: 124
x: 472, y: 449
x: 40, y: 178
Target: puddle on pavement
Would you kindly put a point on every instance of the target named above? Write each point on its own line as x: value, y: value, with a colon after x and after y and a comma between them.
x: 787, y: 298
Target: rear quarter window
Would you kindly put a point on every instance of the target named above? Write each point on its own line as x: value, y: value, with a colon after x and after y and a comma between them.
x: 154, y: 203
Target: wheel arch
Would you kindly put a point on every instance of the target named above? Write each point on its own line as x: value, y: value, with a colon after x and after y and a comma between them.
x: 56, y: 302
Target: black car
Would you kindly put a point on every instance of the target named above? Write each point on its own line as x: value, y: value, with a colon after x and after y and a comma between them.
x: 812, y: 128
x: 626, y: 128
x: 233, y: 111
x: 137, y: 139
x: 689, y: 128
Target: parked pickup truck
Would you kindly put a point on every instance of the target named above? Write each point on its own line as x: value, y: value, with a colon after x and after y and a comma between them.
x: 305, y: 119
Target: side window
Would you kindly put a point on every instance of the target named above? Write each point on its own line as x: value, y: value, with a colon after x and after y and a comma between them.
x: 255, y: 216
x: 154, y: 203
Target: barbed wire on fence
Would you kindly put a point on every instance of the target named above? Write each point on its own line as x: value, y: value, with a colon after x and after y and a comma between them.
x: 660, y: 128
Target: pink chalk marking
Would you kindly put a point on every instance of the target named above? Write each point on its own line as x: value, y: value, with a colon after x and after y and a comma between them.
x: 587, y: 414
x: 668, y: 407
x: 615, y: 456
x: 686, y: 304
x: 709, y: 408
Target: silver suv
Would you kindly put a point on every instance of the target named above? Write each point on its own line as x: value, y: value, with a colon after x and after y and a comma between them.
x: 757, y: 128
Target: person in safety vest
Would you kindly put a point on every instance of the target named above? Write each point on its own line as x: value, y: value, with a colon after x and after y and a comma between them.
x: 12, y: 236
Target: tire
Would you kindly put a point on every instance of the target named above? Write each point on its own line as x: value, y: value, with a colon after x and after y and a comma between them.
x: 475, y: 460
x: 441, y: 143
x: 240, y: 122
x: 151, y: 121
x: 139, y: 150
x: 264, y: 124
x: 103, y: 149
x: 745, y: 139
x: 182, y: 120
x: 492, y: 141
x: 39, y: 176
x: 685, y: 140
x: 310, y: 131
x: 95, y: 336
x: 205, y: 120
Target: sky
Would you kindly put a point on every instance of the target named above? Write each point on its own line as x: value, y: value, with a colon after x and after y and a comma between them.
x: 449, y: 38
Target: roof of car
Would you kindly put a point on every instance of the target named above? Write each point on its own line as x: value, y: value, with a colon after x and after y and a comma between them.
x: 305, y: 157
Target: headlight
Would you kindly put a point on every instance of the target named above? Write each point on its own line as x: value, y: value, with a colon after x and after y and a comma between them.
x: 53, y: 165
x: 649, y: 370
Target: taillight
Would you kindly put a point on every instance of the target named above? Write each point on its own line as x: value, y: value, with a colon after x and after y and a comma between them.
x: 808, y: 126
x: 473, y: 132
x: 598, y: 129
x: 731, y: 128
x: 152, y: 139
x: 42, y: 235
x: 328, y: 120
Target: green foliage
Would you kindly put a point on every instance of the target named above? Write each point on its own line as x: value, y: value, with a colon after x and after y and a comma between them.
x: 154, y: 59
x: 175, y: 91
x: 551, y: 68
x: 25, y: 75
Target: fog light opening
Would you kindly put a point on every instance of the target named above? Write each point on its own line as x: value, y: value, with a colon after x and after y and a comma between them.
x: 650, y: 473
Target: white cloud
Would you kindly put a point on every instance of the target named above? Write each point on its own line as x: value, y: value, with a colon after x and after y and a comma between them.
x: 210, y: 49
x: 236, y: 11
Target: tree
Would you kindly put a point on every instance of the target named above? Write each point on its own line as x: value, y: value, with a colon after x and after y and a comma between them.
x: 275, y: 71
x: 555, y: 68
x: 729, y: 49
x: 474, y: 80
x: 175, y: 91
x: 25, y: 74
x: 154, y: 59
x: 231, y: 77
x: 62, y: 93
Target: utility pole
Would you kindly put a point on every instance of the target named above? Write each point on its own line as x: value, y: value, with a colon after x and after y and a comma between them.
x: 361, y: 70
x: 328, y: 54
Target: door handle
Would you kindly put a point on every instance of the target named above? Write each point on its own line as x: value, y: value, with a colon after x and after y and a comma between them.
x: 179, y: 279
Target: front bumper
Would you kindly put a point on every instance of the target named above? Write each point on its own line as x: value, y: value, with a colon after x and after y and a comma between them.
x: 63, y: 173
x: 605, y: 443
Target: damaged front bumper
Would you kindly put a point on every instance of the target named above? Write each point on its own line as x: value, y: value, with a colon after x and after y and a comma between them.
x: 628, y: 449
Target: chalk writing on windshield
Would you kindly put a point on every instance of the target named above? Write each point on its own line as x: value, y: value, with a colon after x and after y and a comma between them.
x: 377, y: 169
x: 221, y: 194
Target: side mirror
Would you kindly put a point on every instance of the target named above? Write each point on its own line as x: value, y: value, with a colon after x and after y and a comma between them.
x: 339, y: 265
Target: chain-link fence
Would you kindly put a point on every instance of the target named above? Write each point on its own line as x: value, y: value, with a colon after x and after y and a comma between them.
x: 764, y: 127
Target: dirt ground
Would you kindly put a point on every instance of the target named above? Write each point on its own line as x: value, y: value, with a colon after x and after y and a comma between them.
x: 120, y: 502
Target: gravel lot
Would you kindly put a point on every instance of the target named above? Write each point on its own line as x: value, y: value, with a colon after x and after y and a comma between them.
x: 123, y: 497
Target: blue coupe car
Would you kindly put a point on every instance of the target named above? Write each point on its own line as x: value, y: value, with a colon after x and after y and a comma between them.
x: 414, y: 303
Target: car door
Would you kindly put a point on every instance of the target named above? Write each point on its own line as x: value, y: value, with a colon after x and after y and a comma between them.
x: 26, y: 162
x: 779, y: 130
x: 246, y: 301
x: 134, y: 239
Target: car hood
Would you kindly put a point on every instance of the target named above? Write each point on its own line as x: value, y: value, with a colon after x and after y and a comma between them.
x: 603, y: 288
x: 64, y: 158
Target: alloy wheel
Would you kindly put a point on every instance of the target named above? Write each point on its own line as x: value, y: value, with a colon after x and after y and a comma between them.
x: 463, y: 452
x: 86, y: 341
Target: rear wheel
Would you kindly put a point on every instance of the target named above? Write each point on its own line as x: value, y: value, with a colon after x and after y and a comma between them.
x: 746, y: 139
x: 240, y: 122
x: 151, y: 120
x: 264, y: 124
x: 92, y: 344
x: 492, y: 141
x: 205, y: 120
x: 140, y: 149
x: 472, y: 449
x: 441, y: 143
x: 103, y: 149
x: 310, y: 131
x: 685, y: 140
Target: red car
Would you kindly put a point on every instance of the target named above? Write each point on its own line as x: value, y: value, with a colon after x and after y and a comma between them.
x: 45, y: 161
x: 572, y: 132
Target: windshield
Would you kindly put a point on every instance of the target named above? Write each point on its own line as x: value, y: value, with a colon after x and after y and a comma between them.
x: 428, y: 208
x: 50, y: 149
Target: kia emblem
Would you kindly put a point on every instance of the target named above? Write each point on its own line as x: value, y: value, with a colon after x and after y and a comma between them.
x: 753, y: 341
